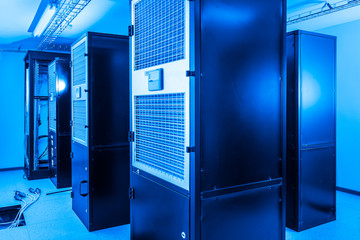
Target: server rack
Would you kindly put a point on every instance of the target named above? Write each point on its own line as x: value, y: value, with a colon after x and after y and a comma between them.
x: 100, y: 124
x: 207, y: 119
x: 59, y: 122
x: 311, y: 131
x: 36, y: 162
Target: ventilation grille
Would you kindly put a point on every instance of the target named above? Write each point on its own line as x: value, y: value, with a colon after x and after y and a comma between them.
x: 41, y: 77
x: 79, y: 116
x: 160, y: 133
x: 79, y: 68
x: 52, y: 78
x: 159, y: 32
x: 52, y: 114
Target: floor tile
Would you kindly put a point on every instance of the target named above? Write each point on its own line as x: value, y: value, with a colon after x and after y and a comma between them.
x: 19, y: 233
x: 115, y: 233
x: 52, y: 218
x: 69, y: 229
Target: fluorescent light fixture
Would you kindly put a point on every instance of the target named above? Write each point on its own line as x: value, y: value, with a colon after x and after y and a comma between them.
x: 44, y: 15
x: 44, y: 20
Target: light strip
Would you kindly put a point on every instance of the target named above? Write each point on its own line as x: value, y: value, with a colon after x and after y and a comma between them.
x: 44, y: 20
x: 336, y: 7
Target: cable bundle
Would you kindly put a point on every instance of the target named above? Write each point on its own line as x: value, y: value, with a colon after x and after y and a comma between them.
x: 20, y: 196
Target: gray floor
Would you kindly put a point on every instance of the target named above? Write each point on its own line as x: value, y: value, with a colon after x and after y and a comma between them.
x: 52, y: 218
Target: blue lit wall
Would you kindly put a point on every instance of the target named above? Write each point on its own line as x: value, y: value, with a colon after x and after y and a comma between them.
x: 348, y: 103
x: 12, y: 109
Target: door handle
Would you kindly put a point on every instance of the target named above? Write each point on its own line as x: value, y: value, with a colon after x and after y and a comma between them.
x: 84, y: 188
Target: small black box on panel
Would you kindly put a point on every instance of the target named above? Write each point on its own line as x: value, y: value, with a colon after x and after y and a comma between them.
x: 36, y: 159
x: 100, y: 124
x: 311, y: 141
x: 59, y: 122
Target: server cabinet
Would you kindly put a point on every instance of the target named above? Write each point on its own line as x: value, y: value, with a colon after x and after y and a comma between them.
x: 311, y: 141
x: 36, y: 161
x: 207, y: 121
x: 100, y: 125
x: 59, y: 122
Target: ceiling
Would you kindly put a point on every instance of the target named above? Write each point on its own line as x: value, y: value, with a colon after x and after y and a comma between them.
x: 112, y: 16
x: 109, y: 16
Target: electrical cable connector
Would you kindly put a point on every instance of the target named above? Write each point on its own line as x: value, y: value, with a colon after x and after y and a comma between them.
x: 20, y: 194
x: 18, y: 198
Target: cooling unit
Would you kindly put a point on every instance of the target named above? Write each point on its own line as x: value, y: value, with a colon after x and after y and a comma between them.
x: 100, y: 125
x: 311, y: 141
x: 207, y: 119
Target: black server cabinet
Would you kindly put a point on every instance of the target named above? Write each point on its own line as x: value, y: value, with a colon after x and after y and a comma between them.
x: 36, y: 161
x: 100, y: 125
x: 59, y: 122
x: 311, y: 134
x: 207, y: 119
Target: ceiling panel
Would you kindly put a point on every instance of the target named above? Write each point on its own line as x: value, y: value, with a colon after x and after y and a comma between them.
x: 15, y: 19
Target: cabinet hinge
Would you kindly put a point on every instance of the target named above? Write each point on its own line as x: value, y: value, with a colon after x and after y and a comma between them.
x: 71, y: 155
x: 131, y: 136
x: 71, y: 123
x: 131, y: 193
x: 131, y: 30
x: 190, y: 149
x: 72, y: 194
x: 190, y: 73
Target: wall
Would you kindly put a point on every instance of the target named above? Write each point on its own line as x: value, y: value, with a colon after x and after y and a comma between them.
x: 348, y: 103
x: 11, y: 109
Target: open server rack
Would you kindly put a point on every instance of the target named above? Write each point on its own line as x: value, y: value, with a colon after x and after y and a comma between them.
x: 59, y: 122
x: 36, y: 161
x: 207, y: 119
x: 311, y: 131
x: 100, y: 125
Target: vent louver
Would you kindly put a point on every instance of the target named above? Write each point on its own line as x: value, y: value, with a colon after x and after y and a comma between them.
x: 52, y: 99
x: 160, y: 133
x: 159, y: 32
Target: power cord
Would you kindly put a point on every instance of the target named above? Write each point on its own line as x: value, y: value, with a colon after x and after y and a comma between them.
x: 20, y: 196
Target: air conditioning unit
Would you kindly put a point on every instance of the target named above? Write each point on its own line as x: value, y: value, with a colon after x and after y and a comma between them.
x: 311, y: 130
x: 207, y: 119
x: 100, y: 125
x: 36, y: 160
x: 59, y: 122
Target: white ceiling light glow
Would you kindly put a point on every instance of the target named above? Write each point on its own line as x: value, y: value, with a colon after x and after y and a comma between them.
x: 53, y: 17
x: 45, y: 20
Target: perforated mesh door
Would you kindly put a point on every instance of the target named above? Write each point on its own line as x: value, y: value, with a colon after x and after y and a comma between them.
x: 79, y: 108
x: 159, y: 32
x: 79, y: 65
x: 160, y: 134
x: 52, y: 99
x: 79, y: 96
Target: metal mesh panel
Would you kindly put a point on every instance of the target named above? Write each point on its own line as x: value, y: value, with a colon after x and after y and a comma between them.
x: 52, y: 78
x: 79, y: 116
x: 79, y: 68
x: 159, y: 32
x: 40, y: 78
x: 52, y: 115
x: 160, y: 132
x: 52, y: 100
